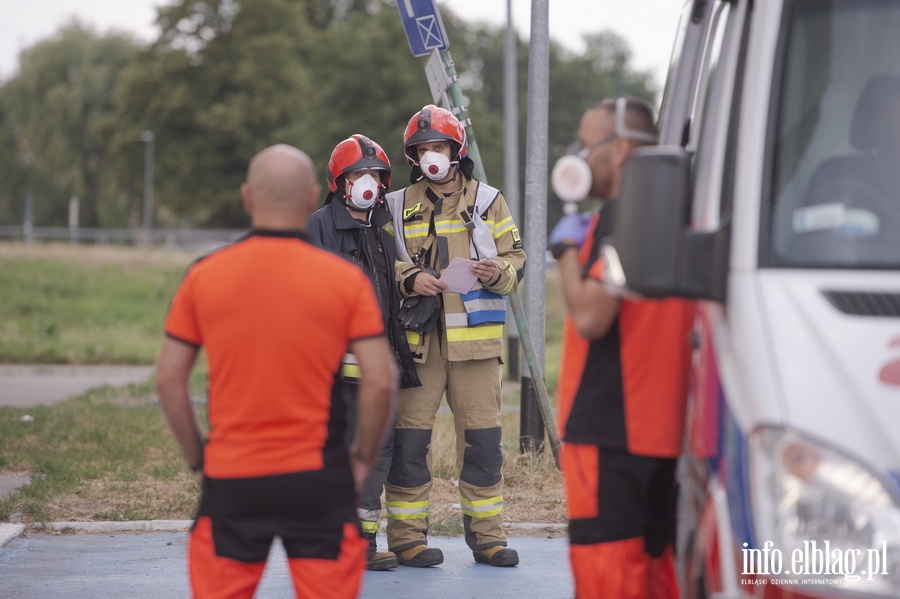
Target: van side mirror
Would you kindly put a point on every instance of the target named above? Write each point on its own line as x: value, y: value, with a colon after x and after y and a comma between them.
x: 654, y: 252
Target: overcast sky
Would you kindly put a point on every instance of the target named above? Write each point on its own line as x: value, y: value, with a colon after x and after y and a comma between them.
x: 647, y: 25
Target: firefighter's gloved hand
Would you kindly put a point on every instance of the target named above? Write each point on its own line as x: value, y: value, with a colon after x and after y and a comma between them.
x: 420, y: 313
x: 571, y: 229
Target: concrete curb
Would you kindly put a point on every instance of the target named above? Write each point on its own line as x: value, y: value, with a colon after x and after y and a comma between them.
x: 535, y: 525
x: 128, y: 526
x: 8, y: 532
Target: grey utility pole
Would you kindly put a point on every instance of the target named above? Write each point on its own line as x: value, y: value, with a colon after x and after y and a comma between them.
x: 511, y: 162
x: 532, y: 422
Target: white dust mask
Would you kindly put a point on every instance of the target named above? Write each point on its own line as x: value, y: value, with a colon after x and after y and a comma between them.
x: 434, y: 165
x: 364, y: 192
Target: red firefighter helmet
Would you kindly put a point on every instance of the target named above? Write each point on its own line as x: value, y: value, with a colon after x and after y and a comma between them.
x: 433, y: 123
x: 354, y: 153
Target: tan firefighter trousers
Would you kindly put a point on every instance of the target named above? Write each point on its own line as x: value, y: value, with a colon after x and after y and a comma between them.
x: 473, y: 389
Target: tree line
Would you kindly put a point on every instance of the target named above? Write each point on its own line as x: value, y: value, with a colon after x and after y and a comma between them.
x: 224, y: 79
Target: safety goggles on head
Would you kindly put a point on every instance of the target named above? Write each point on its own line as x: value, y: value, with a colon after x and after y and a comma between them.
x: 571, y: 178
x: 620, y: 130
x: 623, y: 131
x: 577, y: 149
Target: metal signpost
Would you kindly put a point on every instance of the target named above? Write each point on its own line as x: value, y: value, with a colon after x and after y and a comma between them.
x: 424, y: 29
x: 426, y: 35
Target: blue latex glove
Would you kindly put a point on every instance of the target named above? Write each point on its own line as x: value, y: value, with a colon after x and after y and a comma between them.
x: 571, y: 228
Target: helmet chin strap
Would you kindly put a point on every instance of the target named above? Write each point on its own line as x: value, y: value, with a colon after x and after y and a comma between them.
x: 454, y: 166
x: 354, y: 208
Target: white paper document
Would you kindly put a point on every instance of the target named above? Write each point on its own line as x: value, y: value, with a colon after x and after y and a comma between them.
x: 458, y: 277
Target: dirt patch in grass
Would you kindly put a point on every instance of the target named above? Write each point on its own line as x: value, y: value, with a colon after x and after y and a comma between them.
x: 533, y: 495
x: 525, y: 513
x: 115, y: 500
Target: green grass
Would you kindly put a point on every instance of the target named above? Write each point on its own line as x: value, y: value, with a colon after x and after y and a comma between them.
x: 107, y: 454
x: 104, y: 455
x: 84, y: 305
x: 62, y: 304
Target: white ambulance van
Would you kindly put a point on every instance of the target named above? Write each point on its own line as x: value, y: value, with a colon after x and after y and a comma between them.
x: 774, y: 200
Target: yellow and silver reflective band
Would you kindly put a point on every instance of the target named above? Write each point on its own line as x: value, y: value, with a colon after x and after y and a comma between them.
x: 389, y: 227
x: 479, y: 333
x: 369, y: 527
x: 483, y: 508
x: 457, y: 320
x: 368, y: 515
x: 413, y: 230
x: 407, y: 510
x: 446, y: 227
x: 504, y: 226
x: 350, y: 367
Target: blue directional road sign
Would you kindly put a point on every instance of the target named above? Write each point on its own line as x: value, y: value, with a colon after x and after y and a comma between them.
x: 424, y: 28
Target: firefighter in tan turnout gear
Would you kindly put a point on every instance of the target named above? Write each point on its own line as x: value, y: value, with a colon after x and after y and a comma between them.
x: 456, y: 339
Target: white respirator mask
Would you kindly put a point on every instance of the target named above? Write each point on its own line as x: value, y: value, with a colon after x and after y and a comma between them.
x: 364, y: 192
x: 571, y: 178
x: 434, y: 165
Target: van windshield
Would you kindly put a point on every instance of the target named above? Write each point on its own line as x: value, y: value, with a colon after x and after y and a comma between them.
x: 836, y: 161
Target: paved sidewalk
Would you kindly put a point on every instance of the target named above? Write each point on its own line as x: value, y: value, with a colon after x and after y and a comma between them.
x: 23, y: 385
x: 152, y: 565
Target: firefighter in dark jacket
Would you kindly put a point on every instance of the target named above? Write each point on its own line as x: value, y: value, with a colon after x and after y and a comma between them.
x: 355, y: 224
